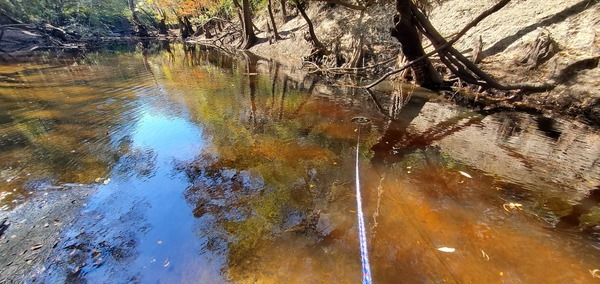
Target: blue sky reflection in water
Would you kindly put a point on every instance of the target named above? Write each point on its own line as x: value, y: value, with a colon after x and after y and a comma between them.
x: 139, y: 223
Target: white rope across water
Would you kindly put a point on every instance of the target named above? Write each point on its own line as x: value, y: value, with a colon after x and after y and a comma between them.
x: 362, y: 234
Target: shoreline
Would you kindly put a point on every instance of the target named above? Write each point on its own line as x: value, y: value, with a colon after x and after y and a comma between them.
x: 33, y: 229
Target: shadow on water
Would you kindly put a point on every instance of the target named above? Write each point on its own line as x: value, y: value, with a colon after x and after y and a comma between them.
x: 220, y: 168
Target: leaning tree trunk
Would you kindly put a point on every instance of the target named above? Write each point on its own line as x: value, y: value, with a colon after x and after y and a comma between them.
x: 275, y: 33
x: 317, y: 45
x: 405, y: 32
x: 239, y: 12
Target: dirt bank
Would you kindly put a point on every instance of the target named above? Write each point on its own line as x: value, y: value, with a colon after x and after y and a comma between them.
x: 506, y: 36
x: 573, y: 25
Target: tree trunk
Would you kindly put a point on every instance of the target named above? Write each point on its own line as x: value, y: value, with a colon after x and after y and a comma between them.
x: 184, y: 32
x: 162, y: 27
x: 284, y: 14
x: 357, y: 43
x: 317, y: 45
x: 188, y: 26
x: 250, y: 38
x: 239, y: 13
x: 247, y: 26
x: 140, y: 30
x: 275, y: 33
x: 405, y: 32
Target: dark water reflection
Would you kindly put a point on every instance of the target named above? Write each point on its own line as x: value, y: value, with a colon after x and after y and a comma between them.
x: 216, y: 168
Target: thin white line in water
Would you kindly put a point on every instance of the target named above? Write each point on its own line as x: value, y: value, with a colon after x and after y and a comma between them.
x: 362, y: 234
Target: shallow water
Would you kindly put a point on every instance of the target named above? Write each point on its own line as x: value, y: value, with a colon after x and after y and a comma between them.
x: 220, y: 169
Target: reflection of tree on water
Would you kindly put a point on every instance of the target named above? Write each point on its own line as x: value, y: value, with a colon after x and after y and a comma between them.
x: 583, y: 207
x: 55, y: 130
x: 258, y: 181
x: 399, y: 146
x: 397, y: 141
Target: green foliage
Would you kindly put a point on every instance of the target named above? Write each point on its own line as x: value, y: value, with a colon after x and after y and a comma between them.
x: 76, y: 15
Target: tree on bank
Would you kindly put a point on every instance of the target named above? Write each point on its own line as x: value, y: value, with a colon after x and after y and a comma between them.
x: 410, y: 21
x: 250, y: 38
x: 139, y: 28
x: 272, y: 18
x: 318, y: 48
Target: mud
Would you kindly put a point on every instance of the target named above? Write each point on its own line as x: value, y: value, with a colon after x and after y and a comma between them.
x: 30, y: 232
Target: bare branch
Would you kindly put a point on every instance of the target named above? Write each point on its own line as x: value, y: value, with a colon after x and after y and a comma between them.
x: 347, y: 5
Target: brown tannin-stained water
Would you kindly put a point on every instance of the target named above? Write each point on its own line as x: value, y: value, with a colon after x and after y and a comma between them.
x: 219, y: 169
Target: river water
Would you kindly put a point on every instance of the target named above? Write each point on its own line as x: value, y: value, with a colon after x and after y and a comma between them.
x: 218, y: 168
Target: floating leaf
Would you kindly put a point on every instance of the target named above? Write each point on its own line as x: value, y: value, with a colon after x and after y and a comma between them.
x: 446, y: 249
x: 106, y: 181
x: 465, y: 174
x: 512, y: 206
x: 160, y: 242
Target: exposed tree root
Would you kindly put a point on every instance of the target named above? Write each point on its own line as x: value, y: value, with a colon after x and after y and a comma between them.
x: 457, y: 63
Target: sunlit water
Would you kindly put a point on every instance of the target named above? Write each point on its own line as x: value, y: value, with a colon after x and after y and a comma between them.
x: 219, y: 169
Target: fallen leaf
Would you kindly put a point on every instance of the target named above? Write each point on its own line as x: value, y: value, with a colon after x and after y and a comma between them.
x: 465, y: 174
x: 446, y: 249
